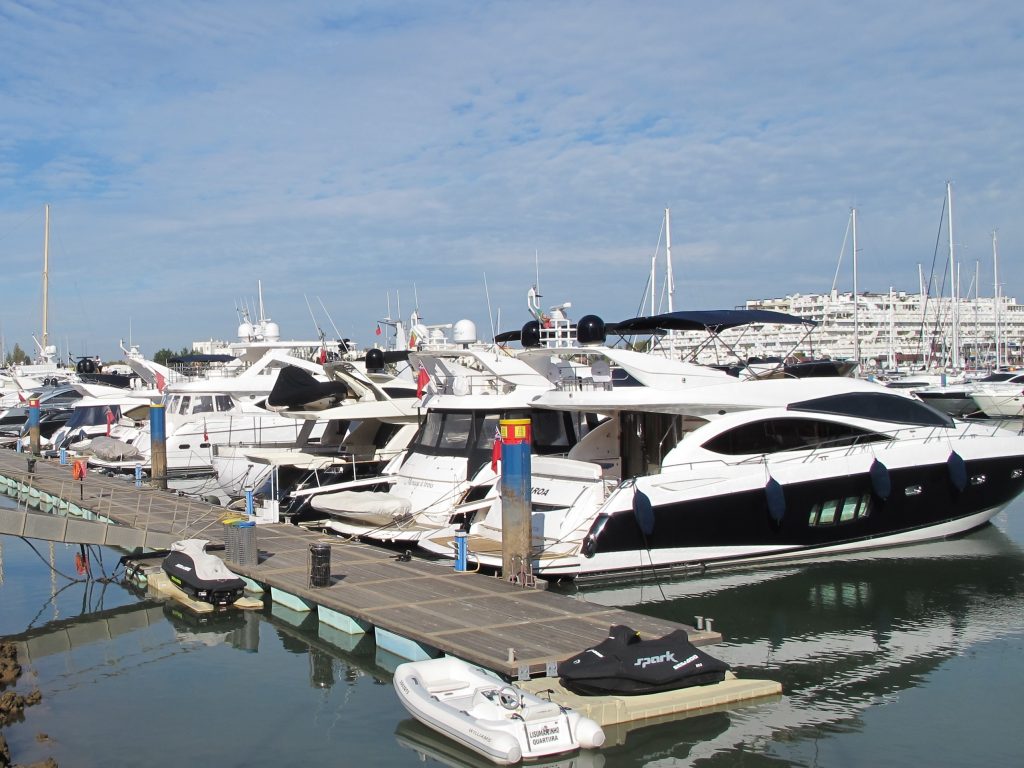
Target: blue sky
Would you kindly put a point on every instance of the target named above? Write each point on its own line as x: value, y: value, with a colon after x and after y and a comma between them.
x: 346, y: 153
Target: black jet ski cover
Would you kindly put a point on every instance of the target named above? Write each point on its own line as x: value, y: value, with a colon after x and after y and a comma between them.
x: 297, y: 388
x: 623, y: 664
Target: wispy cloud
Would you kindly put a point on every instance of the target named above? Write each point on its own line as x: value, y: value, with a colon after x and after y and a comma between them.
x: 350, y: 151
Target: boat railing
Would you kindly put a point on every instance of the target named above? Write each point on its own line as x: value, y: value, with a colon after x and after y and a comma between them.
x: 97, y: 498
x: 583, y: 384
x: 473, y: 384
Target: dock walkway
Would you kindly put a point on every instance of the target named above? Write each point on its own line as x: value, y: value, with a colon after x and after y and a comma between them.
x: 485, y: 620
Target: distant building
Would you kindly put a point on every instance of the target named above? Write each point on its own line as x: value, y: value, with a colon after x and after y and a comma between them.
x: 894, y: 329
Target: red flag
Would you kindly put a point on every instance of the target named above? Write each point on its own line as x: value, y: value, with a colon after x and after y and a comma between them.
x: 206, y: 435
x: 496, y: 450
x: 323, y: 355
x: 422, y: 379
x: 110, y: 419
x: 378, y: 330
x: 160, y: 382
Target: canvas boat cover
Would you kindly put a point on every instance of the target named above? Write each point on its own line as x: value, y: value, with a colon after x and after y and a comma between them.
x: 296, y: 388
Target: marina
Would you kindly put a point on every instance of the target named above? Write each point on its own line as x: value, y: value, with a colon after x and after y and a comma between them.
x: 713, y: 495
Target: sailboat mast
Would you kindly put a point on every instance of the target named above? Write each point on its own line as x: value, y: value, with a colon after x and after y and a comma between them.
x: 995, y: 301
x: 954, y: 288
x: 856, y: 324
x: 46, y: 275
x: 668, y: 258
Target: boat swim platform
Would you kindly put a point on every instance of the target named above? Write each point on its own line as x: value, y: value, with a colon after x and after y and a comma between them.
x: 415, y: 608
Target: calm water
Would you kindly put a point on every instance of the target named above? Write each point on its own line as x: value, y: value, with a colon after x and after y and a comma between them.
x: 907, y: 658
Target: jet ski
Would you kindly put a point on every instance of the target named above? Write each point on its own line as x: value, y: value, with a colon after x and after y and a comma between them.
x: 200, y: 575
x: 625, y: 665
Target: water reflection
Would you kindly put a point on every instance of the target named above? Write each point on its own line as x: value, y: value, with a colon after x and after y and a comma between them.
x: 850, y: 638
x: 841, y: 634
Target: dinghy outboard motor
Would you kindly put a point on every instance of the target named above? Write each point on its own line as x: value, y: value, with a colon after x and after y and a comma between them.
x: 623, y: 664
x: 590, y: 330
x: 200, y: 575
x: 530, y: 335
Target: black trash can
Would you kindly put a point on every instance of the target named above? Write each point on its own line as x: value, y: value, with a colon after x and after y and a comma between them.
x: 319, y: 565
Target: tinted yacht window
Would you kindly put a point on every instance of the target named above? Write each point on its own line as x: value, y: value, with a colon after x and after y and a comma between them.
x: 774, y: 435
x: 879, y: 406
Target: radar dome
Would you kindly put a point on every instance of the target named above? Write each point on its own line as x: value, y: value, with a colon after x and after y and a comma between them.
x: 245, y: 332
x: 590, y: 330
x: 271, y: 331
x: 531, y: 335
x: 374, y: 360
x: 464, y: 332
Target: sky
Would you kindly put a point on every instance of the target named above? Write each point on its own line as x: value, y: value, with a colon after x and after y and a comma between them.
x: 357, y: 159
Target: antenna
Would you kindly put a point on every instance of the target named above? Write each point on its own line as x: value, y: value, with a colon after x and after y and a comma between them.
x: 536, y: 267
x: 336, y: 331
x: 319, y: 330
x: 46, y: 277
x: 490, y: 317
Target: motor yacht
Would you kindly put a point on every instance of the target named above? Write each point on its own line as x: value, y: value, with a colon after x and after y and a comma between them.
x: 683, y: 473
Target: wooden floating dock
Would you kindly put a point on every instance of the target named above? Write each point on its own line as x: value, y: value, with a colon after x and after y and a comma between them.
x: 415, y: 608
x: 504, y: 627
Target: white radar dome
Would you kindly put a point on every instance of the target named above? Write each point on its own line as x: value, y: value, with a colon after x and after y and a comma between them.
x: 245, y: 331
x: 271, y: 332
x: 464, y: 332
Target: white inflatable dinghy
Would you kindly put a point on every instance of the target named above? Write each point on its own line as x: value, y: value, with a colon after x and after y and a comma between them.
x: 503, y: 723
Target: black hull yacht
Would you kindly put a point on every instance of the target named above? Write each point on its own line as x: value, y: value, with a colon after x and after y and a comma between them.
x: 717, y: 473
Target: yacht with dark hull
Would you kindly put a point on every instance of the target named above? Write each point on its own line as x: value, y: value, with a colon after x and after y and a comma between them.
x: 685, y: 473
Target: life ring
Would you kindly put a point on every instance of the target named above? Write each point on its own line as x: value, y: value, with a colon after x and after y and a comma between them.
x: 78, y: 469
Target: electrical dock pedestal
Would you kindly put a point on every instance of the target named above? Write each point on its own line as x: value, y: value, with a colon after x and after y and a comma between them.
x: 413, y: 608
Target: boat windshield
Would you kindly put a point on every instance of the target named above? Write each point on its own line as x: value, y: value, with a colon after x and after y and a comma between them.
x: 471, y: 433
x: 877, y: 406
x: 93, y: 415
x: 185, y: 405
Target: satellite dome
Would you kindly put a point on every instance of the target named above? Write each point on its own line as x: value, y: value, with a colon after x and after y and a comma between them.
x: 271, y: 331
x: 374, y: 360
x: 245, y: 331
x: 590, y: 330
x: 464, y: 332
x: 531, y: 335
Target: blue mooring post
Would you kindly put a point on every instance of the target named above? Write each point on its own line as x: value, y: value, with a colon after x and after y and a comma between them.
x: 158, y: 445
x: 63, y: 456
x: 516, y: 500
x: 250, y: 508
x: 460, y: 551
x: 33, y: 425
x: 138, y: 475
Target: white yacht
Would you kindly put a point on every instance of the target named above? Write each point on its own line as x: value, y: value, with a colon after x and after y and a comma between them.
x: 683, y: 474
x: 958, y: 399
x: 350, y: 427
x: 447, y: 471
